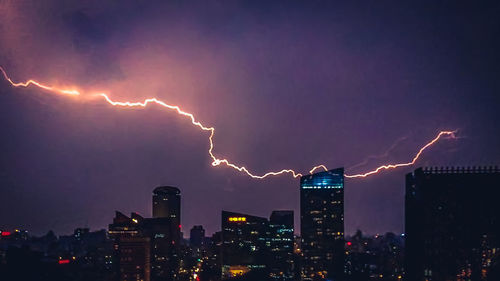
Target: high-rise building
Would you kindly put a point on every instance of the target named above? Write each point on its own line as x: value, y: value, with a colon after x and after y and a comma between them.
x: 282, y: 260
x: 197, y: 236
x: 245, y: 244
x: 146, y: 244
x: 452, y: 223
x: 167, y: 204
x: 322, y: 225
x: 164, y: 250
x: 257, y: 246
x: 132, y: 256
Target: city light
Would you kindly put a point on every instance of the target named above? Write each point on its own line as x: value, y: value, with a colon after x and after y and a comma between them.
x: 236, y: 219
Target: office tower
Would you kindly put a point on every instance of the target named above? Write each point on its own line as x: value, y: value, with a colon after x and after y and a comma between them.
x: 133, y: 236
x: 134, y: 257
x: 322, y: 225
x: 452, y: 223
x: 132, y: 249
x: 124, y: 226
x: 164, y: 248
x: 245, y: 244
x: 197, y: 236
x: 281, y: 230
x: 167, y: 204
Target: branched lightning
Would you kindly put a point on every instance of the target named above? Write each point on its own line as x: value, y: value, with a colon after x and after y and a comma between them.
x: 216, y: 161
x: 392, y: 166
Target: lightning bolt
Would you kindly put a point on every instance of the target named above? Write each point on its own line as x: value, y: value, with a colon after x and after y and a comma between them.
x: 385, y: 154
x: 393, y: 166
x: 217, y: 161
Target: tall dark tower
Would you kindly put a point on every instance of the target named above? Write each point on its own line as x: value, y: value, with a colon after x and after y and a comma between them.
x: 452, y: 224
x: 167, y: 204
x: 165, y: 230
x: 322, y: 225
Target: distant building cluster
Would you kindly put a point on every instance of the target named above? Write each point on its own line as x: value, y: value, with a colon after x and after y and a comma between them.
x: 452, y: 232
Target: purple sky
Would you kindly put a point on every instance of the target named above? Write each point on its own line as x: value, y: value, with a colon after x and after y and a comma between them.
x: 285, y: 84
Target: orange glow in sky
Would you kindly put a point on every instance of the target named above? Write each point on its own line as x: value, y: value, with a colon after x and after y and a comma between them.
x: 217, y: 161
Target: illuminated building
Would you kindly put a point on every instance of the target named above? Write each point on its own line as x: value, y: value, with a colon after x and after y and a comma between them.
x: 245, y: 244
x: 132, y: 249
x: 258, y: 245
x: 197, y: 236
x: 281, y: 229
x: 167, y: 204
x: 132, y: 234
x: 134, y: 259
x: 322, y: 225
x: 164, y: 250
x: 452, y: 223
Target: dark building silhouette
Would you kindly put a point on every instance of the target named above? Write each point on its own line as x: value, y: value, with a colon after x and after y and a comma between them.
x: 144, y: 247
x: 245, y: 244
x: 377, y: 257
x: 322, y: 225
x: 164, y: 248
x: 197, y: 236
x: 167, y: 204
x: 258, y: 248
x: 282, y: 260
x: 452, y: 223
x: 132, y: 256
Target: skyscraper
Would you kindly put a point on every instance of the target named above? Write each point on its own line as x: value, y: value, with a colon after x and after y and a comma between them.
x: 132, y: 258
x: 167, y: 204
x: 452, y: 224
x: 281, y: 229
x: 245, y: 244
x: 144, y: 248
x: 322, y: 225
x: 165, y: 231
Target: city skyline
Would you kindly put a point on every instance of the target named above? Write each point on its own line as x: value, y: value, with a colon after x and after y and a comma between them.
x: 357, y: 83
x: 446, y: 221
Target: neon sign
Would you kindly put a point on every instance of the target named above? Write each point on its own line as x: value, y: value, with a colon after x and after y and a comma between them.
x: 237, y: 219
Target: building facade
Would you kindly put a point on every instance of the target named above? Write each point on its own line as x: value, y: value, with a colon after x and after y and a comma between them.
x: 257, y: 246
x: 150, y: 245
x: 132, y: 249
x: 282, y: 263
x: 245, y: 244
x: 197, y: 236
x: 452, y: 224
x: 167, y: 204
x: 322, y: 225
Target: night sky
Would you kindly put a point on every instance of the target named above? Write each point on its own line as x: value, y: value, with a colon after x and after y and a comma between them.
x: 285, y: 84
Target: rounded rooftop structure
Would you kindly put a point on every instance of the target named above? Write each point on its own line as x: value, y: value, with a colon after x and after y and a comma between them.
x: 166, y: 190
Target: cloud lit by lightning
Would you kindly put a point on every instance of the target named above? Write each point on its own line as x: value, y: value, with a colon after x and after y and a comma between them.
x: 217, y: 161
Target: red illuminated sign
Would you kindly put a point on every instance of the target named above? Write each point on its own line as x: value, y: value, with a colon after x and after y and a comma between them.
x: 5, y: 233
x: 63, y: 261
